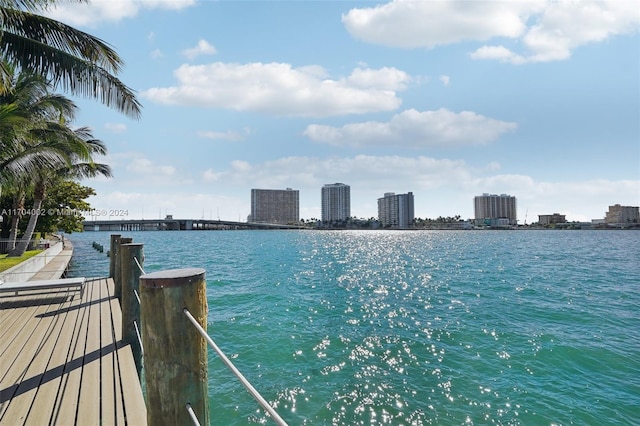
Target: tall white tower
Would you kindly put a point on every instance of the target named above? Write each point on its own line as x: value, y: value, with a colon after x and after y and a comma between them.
x: 336, y: 202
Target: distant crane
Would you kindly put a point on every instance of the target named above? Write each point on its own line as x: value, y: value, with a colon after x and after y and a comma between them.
x: 525, y: 217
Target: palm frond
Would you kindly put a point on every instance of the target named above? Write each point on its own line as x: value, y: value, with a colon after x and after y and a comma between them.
x: 33, y: 4
x: 28, y: 162
x: 76, y: 61
x: 86, y: 170
x: 55, y: 34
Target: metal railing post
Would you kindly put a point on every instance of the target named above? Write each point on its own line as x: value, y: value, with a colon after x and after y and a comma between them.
x: 130, y: 255
x: 175, y: 354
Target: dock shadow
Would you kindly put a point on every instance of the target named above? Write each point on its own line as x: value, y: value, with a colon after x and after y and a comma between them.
x: 33, y: 302
x: 34, y: 382
x: 73, y: 308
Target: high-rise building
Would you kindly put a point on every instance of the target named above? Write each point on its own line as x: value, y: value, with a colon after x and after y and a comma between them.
x: 495, y: 210
x: 396, y: 211
x: 336, y: 202
x: 275, y: 206
x: 622, y: 214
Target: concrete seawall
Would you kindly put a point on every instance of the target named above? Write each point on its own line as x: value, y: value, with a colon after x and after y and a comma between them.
x: 26, y: 270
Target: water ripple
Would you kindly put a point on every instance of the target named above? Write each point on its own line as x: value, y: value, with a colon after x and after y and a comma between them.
x: 419, y: 328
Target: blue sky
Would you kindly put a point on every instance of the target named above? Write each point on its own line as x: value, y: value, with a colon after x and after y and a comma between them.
x: 446, y: 99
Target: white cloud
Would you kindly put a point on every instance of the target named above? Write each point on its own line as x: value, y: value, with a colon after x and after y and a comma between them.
x: 442, y: 187
x: 445, y: 79
x: 144, y: 166
x: 500, y: 53
x: 280, y: 89
x: 548, y: 30
x: 365, y: 172
x: 413, y: 128
x: 156, y: 54
x: 211, y: 175
x: 237, y: 172
x: 578, y: 200
x: 202, y: 48
x: 116, y: 127
x: 228, y: 135
x: 383, y: 79
x: 412, y: 24
x: 96, y: 11
x: 151, y: 204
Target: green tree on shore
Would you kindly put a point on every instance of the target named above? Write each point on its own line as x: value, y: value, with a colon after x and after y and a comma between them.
x: 64, y: 202
x: 41, y: 124
x: 80, y: 149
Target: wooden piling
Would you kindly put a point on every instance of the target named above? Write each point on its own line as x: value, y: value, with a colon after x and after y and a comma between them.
x: 175, y: 354
x: 130, y: 275
x: 112, y: 259
x: 117, y: 279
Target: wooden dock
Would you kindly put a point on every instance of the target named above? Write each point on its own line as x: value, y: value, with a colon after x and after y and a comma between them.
x: 63, y: 361
x: 57, y: 267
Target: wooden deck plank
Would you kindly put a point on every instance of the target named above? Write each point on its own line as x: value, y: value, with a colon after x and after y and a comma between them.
x: 89, y: 400
x: 131, y: 400
x: 107, y: 353
x: 134, y: 404
x: 8, y: 319
x: 116, y: 318
x: 35, y: 356
x: 44, y: 404
x: 25, y: 310
x: 12, y: 322
x: 66, y: 408
x: 28, y: 328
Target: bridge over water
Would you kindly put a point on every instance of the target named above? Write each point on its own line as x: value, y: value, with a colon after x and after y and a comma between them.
x: 170, y: 224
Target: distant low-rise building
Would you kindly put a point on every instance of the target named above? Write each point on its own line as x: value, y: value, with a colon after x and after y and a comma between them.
x: 551, y: 219
x: 495, y: 210
x: 275, y: 206
x: 618, y: 214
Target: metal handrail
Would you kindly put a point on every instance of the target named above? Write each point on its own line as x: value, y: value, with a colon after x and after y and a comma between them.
x: 256, y: 395
x: 135, y: 324
x: 192, y: 414
x: 139, y: 266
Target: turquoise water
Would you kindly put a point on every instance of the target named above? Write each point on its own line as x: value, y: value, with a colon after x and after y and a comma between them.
x: 415, y: 327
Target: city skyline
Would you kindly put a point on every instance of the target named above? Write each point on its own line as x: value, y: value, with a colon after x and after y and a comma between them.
x: 539, y: 100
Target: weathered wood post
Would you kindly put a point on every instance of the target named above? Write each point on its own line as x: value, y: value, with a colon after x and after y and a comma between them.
x: 175, y: 354
x: 117, y: 280
x: 112, y: 258
x: 130, y: 306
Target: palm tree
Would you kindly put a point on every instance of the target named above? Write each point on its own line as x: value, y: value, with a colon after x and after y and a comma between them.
x: 37, y: 144
x: 26, y: 100
x: 78, y: 62
x: 17, y: 195
x: 79, y: 147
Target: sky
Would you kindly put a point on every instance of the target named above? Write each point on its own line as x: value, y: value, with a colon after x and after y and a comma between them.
x: 445, y: 99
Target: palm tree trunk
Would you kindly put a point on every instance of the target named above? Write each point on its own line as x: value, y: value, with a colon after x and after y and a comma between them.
x: 21, y: 247
x: 15, y: 220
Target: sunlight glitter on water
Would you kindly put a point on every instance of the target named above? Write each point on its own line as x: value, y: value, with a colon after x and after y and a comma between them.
x: 420, y: 327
